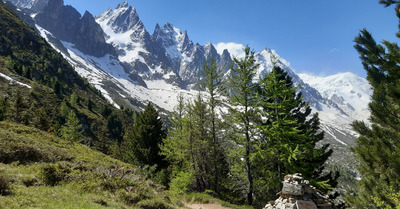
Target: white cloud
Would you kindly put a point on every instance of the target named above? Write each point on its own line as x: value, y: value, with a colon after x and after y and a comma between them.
x: 234, y: 49
x: 334, y: 50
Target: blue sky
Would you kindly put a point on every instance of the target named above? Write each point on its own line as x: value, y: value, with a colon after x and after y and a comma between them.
x: 315, y: 36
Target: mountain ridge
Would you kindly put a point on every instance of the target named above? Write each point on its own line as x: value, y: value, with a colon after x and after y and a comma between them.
x: 156, y: 67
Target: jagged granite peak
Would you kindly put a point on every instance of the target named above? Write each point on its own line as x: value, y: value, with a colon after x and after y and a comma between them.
x: 170, y: 36
x: 225, y: 61
x: 121, y: 19
x: 211, y: 52
x: 33, y: 5
x: 67, y: 24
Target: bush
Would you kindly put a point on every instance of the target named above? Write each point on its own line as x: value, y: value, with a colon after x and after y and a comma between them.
x: 18, y: 148
x: 52, y: 174
x: 181, y: 182
x: 4, y: 186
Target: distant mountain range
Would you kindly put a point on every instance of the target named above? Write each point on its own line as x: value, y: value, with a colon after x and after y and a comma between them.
x: 130, y: 66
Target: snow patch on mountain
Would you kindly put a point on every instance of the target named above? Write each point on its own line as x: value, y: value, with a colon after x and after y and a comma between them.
x: 122, y: 37
x: 350, y: 92
x: 12, y: 81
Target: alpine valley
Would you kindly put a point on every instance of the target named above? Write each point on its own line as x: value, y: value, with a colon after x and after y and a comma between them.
x: 130, y: 66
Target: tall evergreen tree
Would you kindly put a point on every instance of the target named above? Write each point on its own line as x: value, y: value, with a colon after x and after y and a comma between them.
x: 241, y: 93
x: 288, y: 137
x: 19, y: 105
x: 71, y: 129
x: 141, y: 142
x: 378, y: 147
x: 212, y: 83
x: 189, y: 147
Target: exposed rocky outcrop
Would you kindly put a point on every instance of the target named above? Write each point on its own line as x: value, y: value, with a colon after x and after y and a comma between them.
x: 67, y: 24
x: 297, y: 193
x: 33, y: 6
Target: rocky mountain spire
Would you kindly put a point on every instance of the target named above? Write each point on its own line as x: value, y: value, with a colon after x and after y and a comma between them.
x: 67, y: 24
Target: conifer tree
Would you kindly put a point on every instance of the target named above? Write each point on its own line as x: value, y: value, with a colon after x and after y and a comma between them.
x: 189, y: 147
x: 71, y: 129
x: 378, y: 147
x: 19, y: 105
x: 241, y: 93
x: 141, y: 142
x: 288, y: 137
x: 3, y: 108
x: 212, y: 83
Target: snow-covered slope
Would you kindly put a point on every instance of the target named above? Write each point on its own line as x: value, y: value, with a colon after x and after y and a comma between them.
x: 160, y: 66
x: 350, y: 92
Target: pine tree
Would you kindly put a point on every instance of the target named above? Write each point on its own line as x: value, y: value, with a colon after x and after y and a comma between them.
x: 378, y: 147
x: 71, y: 130
x: 212, y: 83
x: 288, y: 137
x: 141, y: 142
x: 41, y: 119
x: 189, y: 147
x: 176, y: 149
x: 19, y: 105
x: 3, y: 108
x: 241, y: 93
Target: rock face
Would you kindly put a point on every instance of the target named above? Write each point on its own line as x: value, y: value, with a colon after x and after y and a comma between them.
x: 66, y: 23
x: 167, y: 54
x: 297, y: 193
x: 34, y: 6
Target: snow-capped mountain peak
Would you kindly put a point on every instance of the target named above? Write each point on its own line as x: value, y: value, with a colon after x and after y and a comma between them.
x: 350, y: 92
x: 173, y: 39
x: 121, y: 19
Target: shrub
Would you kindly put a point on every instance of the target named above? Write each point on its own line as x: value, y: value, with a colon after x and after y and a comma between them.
x: 4, y: 186
x: 29, y: 181
x: 181, y: 182
x: 52, y: 174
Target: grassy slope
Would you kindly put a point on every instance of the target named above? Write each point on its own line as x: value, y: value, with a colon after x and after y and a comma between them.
x: 89, y: 179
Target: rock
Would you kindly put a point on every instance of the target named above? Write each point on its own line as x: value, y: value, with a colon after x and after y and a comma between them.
x: 301, y: 204
x: 298, y: 194
x: 292, y: 189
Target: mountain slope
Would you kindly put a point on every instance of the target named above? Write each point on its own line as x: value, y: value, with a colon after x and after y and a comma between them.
x: 38, y: 165
x: 350, y: 92
x: 39, y: 169
x: 40, y: 87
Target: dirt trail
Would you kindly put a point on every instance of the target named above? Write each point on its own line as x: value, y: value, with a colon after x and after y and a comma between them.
x: 205, y: 206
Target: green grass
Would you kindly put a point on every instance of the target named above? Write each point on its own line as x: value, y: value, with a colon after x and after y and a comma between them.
x: 85, y: 178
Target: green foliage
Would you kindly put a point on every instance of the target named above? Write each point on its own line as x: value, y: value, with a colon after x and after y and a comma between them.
x: 5, y: 188
x: 86, y: 179
x: 18, y: 148
x: 141, y: 142
x: 52, y: 174
x: 189, y: 147
x: 288, y: 135
x: 242, y: 102
x: 393, y: 196
x: 378, y: 146
x: 19, y: 106
x: 181, y: 182
x: 114, y: 125
x: 3, y: 108
x: 213, y: 84
x: 71, y: 129
x: 74, y: 99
